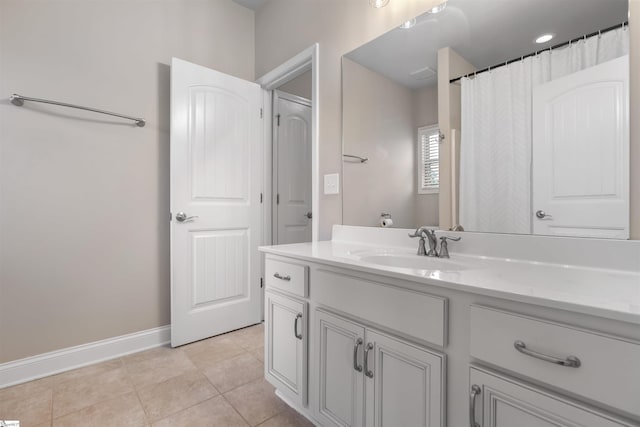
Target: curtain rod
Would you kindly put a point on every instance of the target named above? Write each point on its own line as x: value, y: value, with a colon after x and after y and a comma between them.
x: 502, y: 64
x: 19, y: 101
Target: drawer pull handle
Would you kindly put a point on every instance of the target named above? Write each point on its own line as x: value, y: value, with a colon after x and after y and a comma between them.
x: 367, y: 372
x: 285, y: 278
x: 475, y: 391
x: 295, y: 326
x: 355, y: 355
x: 569, y: 361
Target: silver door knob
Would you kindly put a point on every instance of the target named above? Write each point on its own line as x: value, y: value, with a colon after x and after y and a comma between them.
x: 182, y: 217
x: 543, y: 215
x: 309, y: 215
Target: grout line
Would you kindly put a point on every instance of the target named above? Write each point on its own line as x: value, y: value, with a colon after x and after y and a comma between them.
x: 236, y: 410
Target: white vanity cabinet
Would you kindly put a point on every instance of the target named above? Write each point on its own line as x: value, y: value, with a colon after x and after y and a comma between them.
x: 286, y: 329
x: 498, y: 401
x: 367, y: 378
x: 286, y: 345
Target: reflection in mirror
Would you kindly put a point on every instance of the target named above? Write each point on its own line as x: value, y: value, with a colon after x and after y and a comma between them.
x: 469, y: 116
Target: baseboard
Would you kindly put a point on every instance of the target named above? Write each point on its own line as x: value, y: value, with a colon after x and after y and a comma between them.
x: 42, y: 365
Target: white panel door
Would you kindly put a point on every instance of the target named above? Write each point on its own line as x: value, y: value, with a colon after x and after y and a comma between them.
x: 404, y: 384
x: 216, y: 166
x: 293, y: 169
x: 341, y: 384
x: 581, y: 152
x: 500, y: 402
x: 286, y: 362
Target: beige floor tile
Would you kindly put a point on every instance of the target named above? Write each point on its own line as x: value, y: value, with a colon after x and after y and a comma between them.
x: 287, y: 418
x: 249, y: 338
x: 26, y: 390
x: 148, y: 354
x: 86, y: 372
x: 213, y: 412
x: 157, y: 366
x: 231, y: 373
x: 123, y: 411
x: 210, y: 352
x: 80, y: 393
x: 30, y: 409
x: 258, y: 354
x: 171, y: 396
x: 256, y: 401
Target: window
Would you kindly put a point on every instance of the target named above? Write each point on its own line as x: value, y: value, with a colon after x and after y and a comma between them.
x: 429, y: 159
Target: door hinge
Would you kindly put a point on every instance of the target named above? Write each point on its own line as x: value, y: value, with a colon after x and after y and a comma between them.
x: 261, y: 282
x: 170, y: 216
x: 261, y: 113
x: 278, y: 199
x: 278, y: 119
x: 260, y: 197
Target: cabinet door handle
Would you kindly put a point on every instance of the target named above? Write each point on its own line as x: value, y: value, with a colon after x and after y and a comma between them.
x: 285, y: 278
x: 475, y: 391
x: 367, y: 372
x: 355, y: 355
x: 295, y: 326
x: 569, y: 361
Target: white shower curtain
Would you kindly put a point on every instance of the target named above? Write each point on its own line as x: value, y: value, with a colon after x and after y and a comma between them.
x: 495, y: 148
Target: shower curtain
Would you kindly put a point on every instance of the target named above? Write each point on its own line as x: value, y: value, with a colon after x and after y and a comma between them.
x: 496, y: 133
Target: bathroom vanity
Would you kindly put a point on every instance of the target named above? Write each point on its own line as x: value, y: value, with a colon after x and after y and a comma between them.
x: 510, y: 331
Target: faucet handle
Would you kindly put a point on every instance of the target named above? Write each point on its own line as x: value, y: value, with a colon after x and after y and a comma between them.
x: 418, y: 233
x: 444, y: 249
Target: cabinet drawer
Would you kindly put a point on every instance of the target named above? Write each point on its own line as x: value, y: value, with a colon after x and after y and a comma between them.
x: 287, y: 277
x: 409, y: 312
x: 608, y: 366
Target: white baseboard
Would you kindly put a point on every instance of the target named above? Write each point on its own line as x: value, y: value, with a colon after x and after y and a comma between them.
x: 42, y: 365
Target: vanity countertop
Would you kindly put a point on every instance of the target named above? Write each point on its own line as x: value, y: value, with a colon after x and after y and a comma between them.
x: 608, y: 293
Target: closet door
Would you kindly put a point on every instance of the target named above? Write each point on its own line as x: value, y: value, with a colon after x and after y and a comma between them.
x: 341, y: 385
x: 404, y: 383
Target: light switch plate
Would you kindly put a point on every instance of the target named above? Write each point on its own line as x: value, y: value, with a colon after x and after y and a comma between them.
x: 332, y: 183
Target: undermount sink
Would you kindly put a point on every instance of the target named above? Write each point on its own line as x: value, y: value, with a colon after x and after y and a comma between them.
x: 414, y: 262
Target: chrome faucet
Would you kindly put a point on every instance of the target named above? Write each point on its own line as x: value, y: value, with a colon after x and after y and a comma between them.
x: 425, y: 233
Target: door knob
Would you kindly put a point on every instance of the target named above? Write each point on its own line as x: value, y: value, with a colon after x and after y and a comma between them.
x: 182, y: 217
x: 309, y: 215
x: 543, y: 215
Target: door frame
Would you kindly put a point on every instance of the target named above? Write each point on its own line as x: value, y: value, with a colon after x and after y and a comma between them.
x: 289, y: 70
x: 276, y: 95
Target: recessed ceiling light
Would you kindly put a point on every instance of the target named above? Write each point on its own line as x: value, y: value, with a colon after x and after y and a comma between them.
x: 544, y: 38
x: 439, y: 8
x: 378, y: 3
x: 408, y: 24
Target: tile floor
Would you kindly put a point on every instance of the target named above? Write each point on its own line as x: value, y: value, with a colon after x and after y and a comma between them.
x: 214, y: 382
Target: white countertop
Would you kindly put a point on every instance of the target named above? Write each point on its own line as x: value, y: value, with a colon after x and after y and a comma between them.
x: 608, y: 293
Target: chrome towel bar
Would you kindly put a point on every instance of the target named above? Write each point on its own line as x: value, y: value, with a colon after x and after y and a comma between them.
x: 362, y: 159
x: 19, y: 101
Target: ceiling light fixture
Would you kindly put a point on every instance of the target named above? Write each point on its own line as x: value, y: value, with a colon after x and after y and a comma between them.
x: 544, y: 38
x: 408, y: 24
x: 439, y: 8
x: 378, y: 3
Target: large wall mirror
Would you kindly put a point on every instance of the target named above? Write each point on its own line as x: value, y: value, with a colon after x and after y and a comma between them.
x: 497, y: 115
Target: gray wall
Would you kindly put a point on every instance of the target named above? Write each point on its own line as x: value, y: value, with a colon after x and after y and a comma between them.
x: 84, y: 199
x: 378, y: 124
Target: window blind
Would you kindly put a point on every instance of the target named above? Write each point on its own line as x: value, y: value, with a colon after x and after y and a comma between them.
x: 429, y: 158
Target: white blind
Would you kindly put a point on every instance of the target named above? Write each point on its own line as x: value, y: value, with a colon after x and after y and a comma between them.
x: 429, y: 157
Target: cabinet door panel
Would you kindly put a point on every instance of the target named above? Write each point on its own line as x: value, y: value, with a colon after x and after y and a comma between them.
x: 407, y: 384
x: 504, y: 402
x: 286, y: 364
x: 341, y: 386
